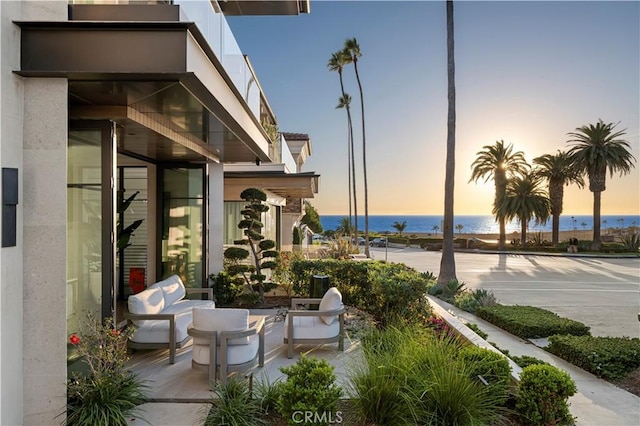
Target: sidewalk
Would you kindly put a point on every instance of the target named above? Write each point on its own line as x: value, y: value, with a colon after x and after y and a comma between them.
x: 597, y: 403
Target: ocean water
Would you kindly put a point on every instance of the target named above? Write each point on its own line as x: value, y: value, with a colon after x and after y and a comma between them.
x: 478, y: 224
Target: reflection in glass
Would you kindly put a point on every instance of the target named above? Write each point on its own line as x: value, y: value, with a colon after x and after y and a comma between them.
x: 182, y: 227
x: 84, y: 239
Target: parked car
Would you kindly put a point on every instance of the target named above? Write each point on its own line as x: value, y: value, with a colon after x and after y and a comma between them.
x: 378, y: 242
x: 361, y: 241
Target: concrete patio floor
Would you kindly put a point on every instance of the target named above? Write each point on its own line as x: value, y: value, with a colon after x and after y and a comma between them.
x: 179, y: 394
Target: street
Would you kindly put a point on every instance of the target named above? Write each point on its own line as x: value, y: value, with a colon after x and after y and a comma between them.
x: 603, y: 293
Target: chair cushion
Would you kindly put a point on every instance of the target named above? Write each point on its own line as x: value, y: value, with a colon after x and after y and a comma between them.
x: 311, y: 328
x: 149, y: 301
x: 221, y: 320
x: 332, y: 300
x: 157, y: 331
x: 237, y: 354
x: 172, y: 289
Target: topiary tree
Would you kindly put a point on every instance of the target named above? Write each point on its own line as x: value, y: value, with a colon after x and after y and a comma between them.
x: 311, y: 218
x: 261, y: 251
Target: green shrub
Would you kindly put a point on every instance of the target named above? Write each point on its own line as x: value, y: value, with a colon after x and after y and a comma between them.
x: 234, y: 406
x: 606, y: 357
x: 493, y: 367
x: 477, y: 330
x: 485, y: 297
x: 225, y: 288
x: 310, y: 387
x: 384, y: 290
x: 395, y: 292
x: 526, y: 360
x: 466, y: 302
x: 282, y: 273
x: 542, y: 396
x: 530, y: 322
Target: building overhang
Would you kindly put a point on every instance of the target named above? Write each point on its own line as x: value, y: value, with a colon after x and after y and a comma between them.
x: 264, y: 7
x: 294, y: 185
x: 131, y: 53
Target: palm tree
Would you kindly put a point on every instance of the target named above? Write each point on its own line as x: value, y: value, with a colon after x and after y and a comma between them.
x: 400, y: 226
x: 584, y: 226
x: 336, y: 63
x: 558, y: 171
x: 596, y: 149
x: 526, y: 200
x: 459, y: 228
x: 345, y: 102
x: 447, y: 262
x: 435, y: 229
x: 344, y: 226
x: 352, y: 48
x: 498, y: 162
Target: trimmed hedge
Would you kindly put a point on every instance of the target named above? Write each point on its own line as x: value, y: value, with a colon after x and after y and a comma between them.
x: 385, y: 290
x: 530, y: 322
x: 606, y: 357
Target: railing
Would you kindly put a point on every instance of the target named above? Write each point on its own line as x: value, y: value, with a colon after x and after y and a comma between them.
x: 287, y: 158
x: 215, y: 29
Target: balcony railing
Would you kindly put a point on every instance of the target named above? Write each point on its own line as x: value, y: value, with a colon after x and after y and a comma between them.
x: 214, y: 27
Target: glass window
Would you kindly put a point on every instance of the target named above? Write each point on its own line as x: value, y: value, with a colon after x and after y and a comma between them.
x: 183, y: 225
x: 84, y: 231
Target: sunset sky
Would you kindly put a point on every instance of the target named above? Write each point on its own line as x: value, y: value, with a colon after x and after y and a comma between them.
x: 526, y: 72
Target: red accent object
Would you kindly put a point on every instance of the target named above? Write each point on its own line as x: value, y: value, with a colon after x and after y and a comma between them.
x: 74, y: 339
x: 136, y: 279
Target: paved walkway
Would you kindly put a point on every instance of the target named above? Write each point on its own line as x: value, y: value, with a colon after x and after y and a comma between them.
x: 597, y: 403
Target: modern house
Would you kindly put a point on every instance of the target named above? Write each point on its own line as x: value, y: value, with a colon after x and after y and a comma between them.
x: 104, y: 101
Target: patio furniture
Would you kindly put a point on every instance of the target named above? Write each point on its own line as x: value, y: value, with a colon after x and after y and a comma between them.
x: 238, y: 339
x: 326, y: 325
x: 161, y: 315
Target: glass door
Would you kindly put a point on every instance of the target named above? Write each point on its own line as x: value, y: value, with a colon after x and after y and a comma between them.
x: 90, y: 222
x: 183, y: 224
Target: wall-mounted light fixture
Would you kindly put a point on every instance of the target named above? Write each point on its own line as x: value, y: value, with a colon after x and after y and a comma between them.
x: 9, y: 206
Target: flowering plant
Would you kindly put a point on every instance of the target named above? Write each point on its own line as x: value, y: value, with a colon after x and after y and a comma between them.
x: 107, y: 393
x: 103, y: 347
x: 439, y: 326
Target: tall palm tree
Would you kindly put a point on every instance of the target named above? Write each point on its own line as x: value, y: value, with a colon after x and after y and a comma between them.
x: 558, y: 170
x: 526, y: 200
x: 596, y: 149
x: 498, y: 162
x: 447, y: 262
x: 352, y: 48
x: 400, y: 226
x: 345, y: 102
x: 336, y: 63
x: 459, y: 227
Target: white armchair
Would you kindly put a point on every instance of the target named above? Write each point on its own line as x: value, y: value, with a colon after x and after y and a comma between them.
x: 326, y: 325
x: 238, y: 340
